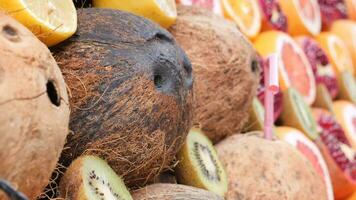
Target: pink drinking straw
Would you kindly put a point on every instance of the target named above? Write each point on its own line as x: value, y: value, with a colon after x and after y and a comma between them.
x: 272, y: 87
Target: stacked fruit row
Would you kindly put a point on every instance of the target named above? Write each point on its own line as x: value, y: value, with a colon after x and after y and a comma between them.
x: 151, y: 108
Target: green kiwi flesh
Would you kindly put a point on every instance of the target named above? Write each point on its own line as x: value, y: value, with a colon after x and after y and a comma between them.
x: 199, y: 165
x: 347, y: 87
x: 296, y: 113
x: 256, y: 116
x: 323, y: 98
x: 90, y: 177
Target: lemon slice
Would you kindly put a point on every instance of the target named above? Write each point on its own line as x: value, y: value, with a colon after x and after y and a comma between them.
x: 164, y: 12
x: 52, y: 21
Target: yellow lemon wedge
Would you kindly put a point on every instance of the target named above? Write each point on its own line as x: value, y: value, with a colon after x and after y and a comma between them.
x: 163, y: 12
x: 52, y: 21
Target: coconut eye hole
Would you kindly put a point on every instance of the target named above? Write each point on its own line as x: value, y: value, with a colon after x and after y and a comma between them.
x: 158, y: 81
x: 10, y: 33
x: 255, y: 66
x: 52, y: 94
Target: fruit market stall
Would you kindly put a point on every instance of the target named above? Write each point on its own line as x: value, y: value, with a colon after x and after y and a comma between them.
x: 178, y: 99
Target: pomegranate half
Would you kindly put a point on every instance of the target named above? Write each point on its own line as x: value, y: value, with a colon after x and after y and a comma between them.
x: 337, y: 152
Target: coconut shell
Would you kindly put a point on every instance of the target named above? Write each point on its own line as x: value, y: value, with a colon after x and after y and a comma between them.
x: 173, y: 192
x: 225, y: 67
x: 268, y: 170
x: 131, y: 93
x: 34, y: 109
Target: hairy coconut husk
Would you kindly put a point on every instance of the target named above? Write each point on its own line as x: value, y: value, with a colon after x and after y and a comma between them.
x: 268, y: 170
x: 34, y: 109
x: 173, y: 192
x: 131, y: 93
x: 225, y: 67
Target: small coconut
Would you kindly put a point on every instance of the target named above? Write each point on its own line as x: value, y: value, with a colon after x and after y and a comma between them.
x: 34, y: 109
x: 131, y: 93
x: 173, y: 192
x: 268, y: 170
x: 225, y: 67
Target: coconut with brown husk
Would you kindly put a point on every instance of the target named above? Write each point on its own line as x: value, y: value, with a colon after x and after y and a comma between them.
x: 268, y: 170
x: 225, y: 68
x: 34, y: 109
x: 263, y: 168
x: 173, y: 192
x: 131, y: 93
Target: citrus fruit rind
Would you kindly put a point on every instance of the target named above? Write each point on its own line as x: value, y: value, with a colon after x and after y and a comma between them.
x: 345, y: 114
x: 294, y: 67
x: 337, y: 52
x: 245, y: 13
x: 308, y: 149
x: 163, y: 12
x: 52, y: 21
x: 303, y: 16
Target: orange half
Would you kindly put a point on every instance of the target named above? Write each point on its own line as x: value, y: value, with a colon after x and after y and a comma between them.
x: 345, y: 114
x: 346, y: 30
x: 245, y: 13
x: 337, y: 52
x: 351, y: 11
x: 294, y: 67
x: 303, y: 16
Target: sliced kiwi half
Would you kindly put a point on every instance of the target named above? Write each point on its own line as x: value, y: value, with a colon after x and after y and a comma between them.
x: 199, y: 165
x: 296, y: 113
x: 91, y: 178
x: 256, y: 116
x: 323, y: 98
x: 347, y: 86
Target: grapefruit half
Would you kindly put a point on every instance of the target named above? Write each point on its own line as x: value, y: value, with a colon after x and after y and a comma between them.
x: 303, y: 16
x: 310, y: 151
x: 294, y: 67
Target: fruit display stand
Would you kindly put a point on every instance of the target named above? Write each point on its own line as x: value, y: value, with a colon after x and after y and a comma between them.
x: 178, y: 99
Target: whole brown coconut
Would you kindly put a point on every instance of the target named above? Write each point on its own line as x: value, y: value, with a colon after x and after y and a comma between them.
x: 173, y: 192
x: 131, y: 88
x: 34, y: 110
x: 268, y: 170
x: 225, y: 68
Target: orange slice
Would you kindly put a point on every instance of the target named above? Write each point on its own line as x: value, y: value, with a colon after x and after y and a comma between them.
x: 163, y: 12
x: 303, y: 16
x: 351, y: 11
x: 345, y: 114
x: 310, y: 151
x: 294, y: 67
x: 346, y: 30
x: 245, y: 13
x: 337, y: 52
